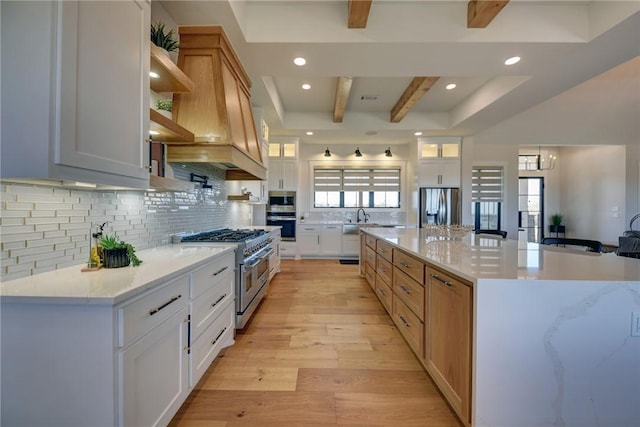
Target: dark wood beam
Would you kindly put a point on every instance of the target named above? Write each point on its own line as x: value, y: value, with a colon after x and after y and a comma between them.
x: 412, y: 94
x: 480, y: 12
x: 343, y: 87
x: 359, y: 13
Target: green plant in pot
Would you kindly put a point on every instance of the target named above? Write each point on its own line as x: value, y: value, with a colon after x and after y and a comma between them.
x: 164, y: 104
x: 163, y: 39
x: 556, y: 223
x: 117, y: 253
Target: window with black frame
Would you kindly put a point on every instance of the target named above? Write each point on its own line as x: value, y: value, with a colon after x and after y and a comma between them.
x: 348, y: 187
x: 486, y: 194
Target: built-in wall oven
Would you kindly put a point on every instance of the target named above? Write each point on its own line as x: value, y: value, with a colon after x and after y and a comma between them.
x: 281, y: 211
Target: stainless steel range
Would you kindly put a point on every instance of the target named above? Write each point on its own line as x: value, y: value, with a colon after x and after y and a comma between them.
x: 252, y: 264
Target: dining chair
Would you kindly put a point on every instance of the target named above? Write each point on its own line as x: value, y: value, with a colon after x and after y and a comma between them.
x: 494, y: 232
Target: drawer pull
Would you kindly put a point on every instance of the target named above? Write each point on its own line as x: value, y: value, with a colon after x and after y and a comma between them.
x: 155, y: 310
x: 381, y: 292
x: 220, y: 271
x: 405, y: 265
x: 219, y: 335
x: 380, y: 250
x: 406, y: 324
x: 444, y: 282
x: 218, y: 301
x: 382, y: 270
x: 405, y: 290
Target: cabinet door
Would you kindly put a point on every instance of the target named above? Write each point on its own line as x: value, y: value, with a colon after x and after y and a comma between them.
x: 103, y: 87
x: 439, y: 173
x: 275, y: 174
x: 331, y: 240
x: 153, y: 373
x: 308, y: 243
x: 449, y: 355
x: 289, y: 175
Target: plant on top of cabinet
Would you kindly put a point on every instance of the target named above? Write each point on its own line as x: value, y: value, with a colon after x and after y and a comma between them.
x: 164, y: 104
x: 114, y: 251
x: 163, y: 39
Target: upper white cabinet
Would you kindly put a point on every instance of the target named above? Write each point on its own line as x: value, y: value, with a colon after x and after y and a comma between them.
x: 75, y: 97
x: 283, y: 164
x: 439, y: 162
x: 439, y: 148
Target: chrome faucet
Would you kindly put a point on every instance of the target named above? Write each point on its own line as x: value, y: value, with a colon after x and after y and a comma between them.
x: 366, y: 215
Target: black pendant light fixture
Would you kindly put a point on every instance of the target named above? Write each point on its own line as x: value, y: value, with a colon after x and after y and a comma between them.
x: 358, y: 153
x: 327, y: 153
x: 387, y: 152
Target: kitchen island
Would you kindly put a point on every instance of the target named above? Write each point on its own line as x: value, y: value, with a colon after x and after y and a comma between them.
x: 121, y: 346
x: 514, y: 334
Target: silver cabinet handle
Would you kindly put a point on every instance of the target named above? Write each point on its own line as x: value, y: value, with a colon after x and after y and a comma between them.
x: 218, y: 301
x: 405, y: 290
x: 444, y: 282
x: 220, y: 271
x: 405, y: 265
x: 380, y: 250
x: 157, y: 309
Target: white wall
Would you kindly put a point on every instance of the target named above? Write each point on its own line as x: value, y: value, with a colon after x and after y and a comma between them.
x: 592, y: 191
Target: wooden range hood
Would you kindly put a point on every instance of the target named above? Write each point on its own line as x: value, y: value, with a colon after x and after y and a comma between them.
x: 218, y: 110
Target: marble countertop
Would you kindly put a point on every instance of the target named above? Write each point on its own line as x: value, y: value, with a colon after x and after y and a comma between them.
x: 475, y: 257
x: 110, y: 286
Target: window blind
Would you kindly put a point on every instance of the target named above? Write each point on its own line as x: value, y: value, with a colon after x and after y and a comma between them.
x: 487, y: 184
x: 361, y: 179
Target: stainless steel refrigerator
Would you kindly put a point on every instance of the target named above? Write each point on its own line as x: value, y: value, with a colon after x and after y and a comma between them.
x: 440, y: 206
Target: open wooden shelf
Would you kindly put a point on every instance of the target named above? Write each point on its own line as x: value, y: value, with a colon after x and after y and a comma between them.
x: 171, y: 79
x: 169, y: 131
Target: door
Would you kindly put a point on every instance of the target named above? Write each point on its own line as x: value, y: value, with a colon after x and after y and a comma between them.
x: 531, y: 209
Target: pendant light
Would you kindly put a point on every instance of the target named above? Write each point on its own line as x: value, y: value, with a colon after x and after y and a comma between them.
x: 358, y: 153
x: 327, y: 153
x: 387, y: 152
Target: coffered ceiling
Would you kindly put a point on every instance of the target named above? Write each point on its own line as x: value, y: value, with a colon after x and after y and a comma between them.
x: 378, y: 69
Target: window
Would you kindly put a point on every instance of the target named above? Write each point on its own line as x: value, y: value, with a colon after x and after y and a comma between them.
x: 486, y: 194
x: 356, y: 187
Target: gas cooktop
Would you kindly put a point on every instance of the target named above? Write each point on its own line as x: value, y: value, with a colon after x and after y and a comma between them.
x: 224, y: 235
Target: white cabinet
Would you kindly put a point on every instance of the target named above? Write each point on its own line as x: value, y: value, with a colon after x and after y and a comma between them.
x: 274, y: 259
x: 286, y: 149
x: 439, y: 148
x: 331, y: 239
x: 308, y: 239
x: 76, y: 108
x: 350, y: 244
x: 282, y: 174
x: 288, y: 249
x: 439, y: 173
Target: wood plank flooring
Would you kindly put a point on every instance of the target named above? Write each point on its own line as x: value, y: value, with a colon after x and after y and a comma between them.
x: 319, y: 351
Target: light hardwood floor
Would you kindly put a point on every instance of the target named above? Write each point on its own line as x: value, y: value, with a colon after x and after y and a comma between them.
x: 319, y: 351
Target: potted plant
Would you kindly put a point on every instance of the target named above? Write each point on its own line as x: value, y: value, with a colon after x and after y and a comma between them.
x: 556, y: 223
x: 163, y: 39
x: 164, y: 106
x: 117, y: 253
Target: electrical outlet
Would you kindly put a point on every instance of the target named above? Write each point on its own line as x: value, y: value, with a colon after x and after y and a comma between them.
x: 635, y: 324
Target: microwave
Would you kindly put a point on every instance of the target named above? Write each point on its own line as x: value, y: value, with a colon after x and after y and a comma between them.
x: 282, y: 201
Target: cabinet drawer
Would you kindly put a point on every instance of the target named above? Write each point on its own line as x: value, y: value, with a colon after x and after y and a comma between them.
x: 212, y: 273
x: 383, y: 290
x: 208, y: 306
x: 216, y: 337
x: 384, y: 249
x: 409, y: 264
x: 370, y: 241
x: 309, y: 228
x: 148, y: 311
x: 370, y: 256
x: 370, y: 275
x: 410, y: 292
x: 385, y: 269
x: 409, y: 325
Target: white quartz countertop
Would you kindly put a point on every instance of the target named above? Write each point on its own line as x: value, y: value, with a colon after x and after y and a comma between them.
x: 111, y: 286
x: 476, y: 257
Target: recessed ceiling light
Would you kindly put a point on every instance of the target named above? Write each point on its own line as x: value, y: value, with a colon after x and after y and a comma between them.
x: 309, y: 133
x: 153, y: 74
x: 417, y: 133
x: 450, y: 86
x: 299, y: 61
x: 512, y: 60
x: 306, y: 86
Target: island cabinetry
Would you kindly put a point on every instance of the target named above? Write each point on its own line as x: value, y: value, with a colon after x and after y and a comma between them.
x: 384, y: 249
x: 79, y: 103
x: 384, y: 277
x: 409, y: 265
x: 370, y: 261
x: 274, y: 259
x: 448, y: 357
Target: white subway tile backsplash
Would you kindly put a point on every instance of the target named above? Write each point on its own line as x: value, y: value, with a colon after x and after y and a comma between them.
x: 15, y: 214
x: 20, y: 206
x: 12, y: 221
x: 44, y: 220
x: 15, y: 229
x: 27, y: 189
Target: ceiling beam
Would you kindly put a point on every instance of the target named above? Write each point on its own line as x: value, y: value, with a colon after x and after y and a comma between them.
x: 359, y: 13
x: 412, y: 94
x: 480, y: 12
x: 343, y: 87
